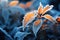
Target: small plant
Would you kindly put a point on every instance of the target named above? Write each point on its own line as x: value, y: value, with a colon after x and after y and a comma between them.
x: 39, y: 14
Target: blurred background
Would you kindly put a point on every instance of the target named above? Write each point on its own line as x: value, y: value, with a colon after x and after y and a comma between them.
x: 11, y: 17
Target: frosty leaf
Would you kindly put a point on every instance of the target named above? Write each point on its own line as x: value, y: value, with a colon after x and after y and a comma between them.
x: 13, y: 3
x: 40, y: 9
x: 47, y: 16
x: 36, y: 26
x: 20, y: 35
x: 29, y: 17
x: 47, y: 8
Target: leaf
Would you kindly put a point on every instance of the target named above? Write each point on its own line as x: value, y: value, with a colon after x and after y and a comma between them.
x: 28, y: 18
x: 20, y: 35
x: 13, y: 3
x: 47, y: 16
x: 36, y: 26
x: 47, y: 8
x: 40, y: 8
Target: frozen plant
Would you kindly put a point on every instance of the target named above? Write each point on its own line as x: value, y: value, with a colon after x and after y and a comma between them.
x: 39, y: 14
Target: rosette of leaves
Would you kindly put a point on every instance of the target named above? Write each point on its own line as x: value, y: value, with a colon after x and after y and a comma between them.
x: 39, y: 14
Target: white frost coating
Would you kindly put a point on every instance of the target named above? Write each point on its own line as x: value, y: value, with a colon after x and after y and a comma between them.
x: 50, y: 7
x: 40, y: 5
x: 35, y: 12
